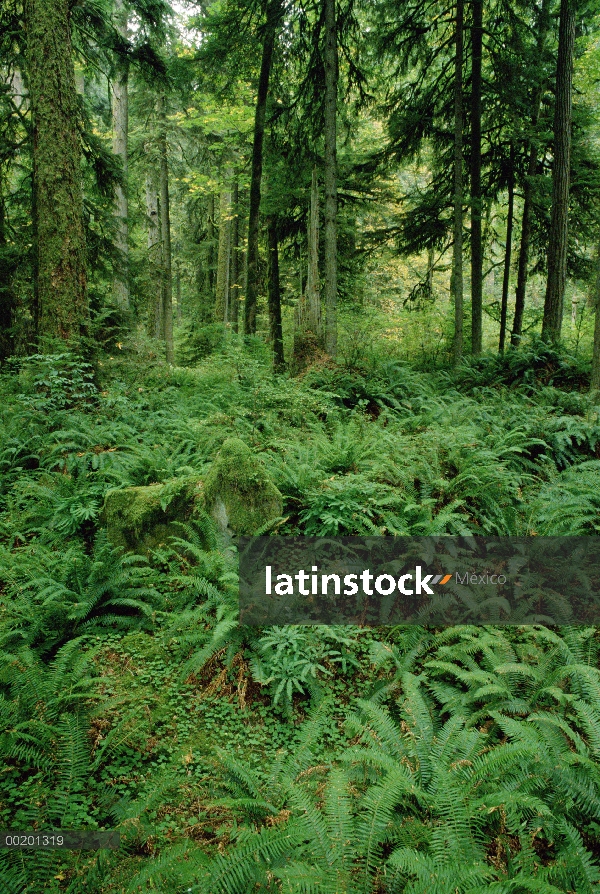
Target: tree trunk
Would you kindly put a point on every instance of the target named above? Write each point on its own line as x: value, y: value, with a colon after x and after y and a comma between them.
x: 313, y: 320
x: 595, y: 376
x: 308, y: 327
x: 273, y: 17
x: 222, y: 291
x: 120, y: 119
x: 60, y: 238
x: 178, y: 288
x: 155, y: 310
x: 532, y: 167
x: 456, y: 283
x: 522, y: 270
x: 234, y: 291
x: 6, y: 292
x: 557, y: 247
x: 507, y: 250
x: 476, y: 240
x: 206, y: 277
x: 274, y: 294
x: 330, y: 177
x: 165, y: 230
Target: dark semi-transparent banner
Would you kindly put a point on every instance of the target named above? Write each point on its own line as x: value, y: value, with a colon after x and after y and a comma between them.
x: 369, y: 581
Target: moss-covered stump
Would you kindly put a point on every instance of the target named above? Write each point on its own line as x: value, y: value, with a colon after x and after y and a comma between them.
x: 142, y: 518
x: 239, y: 494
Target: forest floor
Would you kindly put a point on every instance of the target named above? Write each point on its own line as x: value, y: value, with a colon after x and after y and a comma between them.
x: 132, y: 699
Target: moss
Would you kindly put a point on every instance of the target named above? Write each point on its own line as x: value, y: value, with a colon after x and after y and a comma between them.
x: 142, y: 518
x: 59, y: 242
x: 239, y: 494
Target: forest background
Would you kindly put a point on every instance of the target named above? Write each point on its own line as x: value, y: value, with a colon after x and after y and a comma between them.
x: 350, y: 251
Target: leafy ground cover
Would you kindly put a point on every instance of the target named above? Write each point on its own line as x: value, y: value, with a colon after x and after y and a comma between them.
x: 291, y: 759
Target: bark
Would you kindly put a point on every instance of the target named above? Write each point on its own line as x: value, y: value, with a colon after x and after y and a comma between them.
x: 312, y: 321
x: 430, y: 269
x: 476, y: 240
x: 308, y: 327
x: 274, y: 294
x: 557, y: 247
x: 155, y: 310
x: 165, y: 231
x: 522, y: 270
x: 178, y: 288
x: 330, y: 177
x: 207, y: 265
x: 222, y: 290
x: 7, y: 298
x: 595, y: 376
x: 507, y: 251
x: 60, y: 252
x: 120, y: 120
x: 272, y: 21
x: 456, y: 284
x: 234, y: 291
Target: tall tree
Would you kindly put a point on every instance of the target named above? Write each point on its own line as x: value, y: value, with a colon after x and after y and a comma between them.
x: 557, y: 246
x: 60, y: 250
x: 507, y: 249
x: 273, y: 16
x: 234, y: 300
x: 595, y: 376
x: 120, y: 118
x: 207, y: 263
x: 456, y: 284
x: 537, y: 72
x: 330, y: 59
x: 223, y: 259
x: 274, y: 291
x: 308, y: 327
x: 165, y: 230
x: 155, y: 310
x: 476, y: 239
x: 6, y: 292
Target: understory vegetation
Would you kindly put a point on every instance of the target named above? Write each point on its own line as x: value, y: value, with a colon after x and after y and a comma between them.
x: 291, y: 759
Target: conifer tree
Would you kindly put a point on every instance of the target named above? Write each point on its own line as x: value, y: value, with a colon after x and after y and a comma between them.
x: 330, y: 60
x: 120, y: 116
x: 273, y: 13
x: 456, y: 285
x: 561, y: 171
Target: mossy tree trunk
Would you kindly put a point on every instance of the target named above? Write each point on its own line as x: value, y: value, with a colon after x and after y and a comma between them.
x: 120, y: 118
x: 561, y: 169
x: 308, y: 327
x: 543, y: 27
x: 312, y: 321
x: 456, y: 282
x: 7, y: 298
x: 273, y: 17
x: 234, y: 291
x: 60, y: 250
x: 507, y: 250
x: 165, y: 230
x: 476, y: 199
x: 330, y: 60
x: 223, y: 268
x: 206, y: 266
x: 275, y: 294
x: 595, y: 377
x: 155, y: 311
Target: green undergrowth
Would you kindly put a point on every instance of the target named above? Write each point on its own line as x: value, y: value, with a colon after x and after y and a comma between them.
x: 290, y: 759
